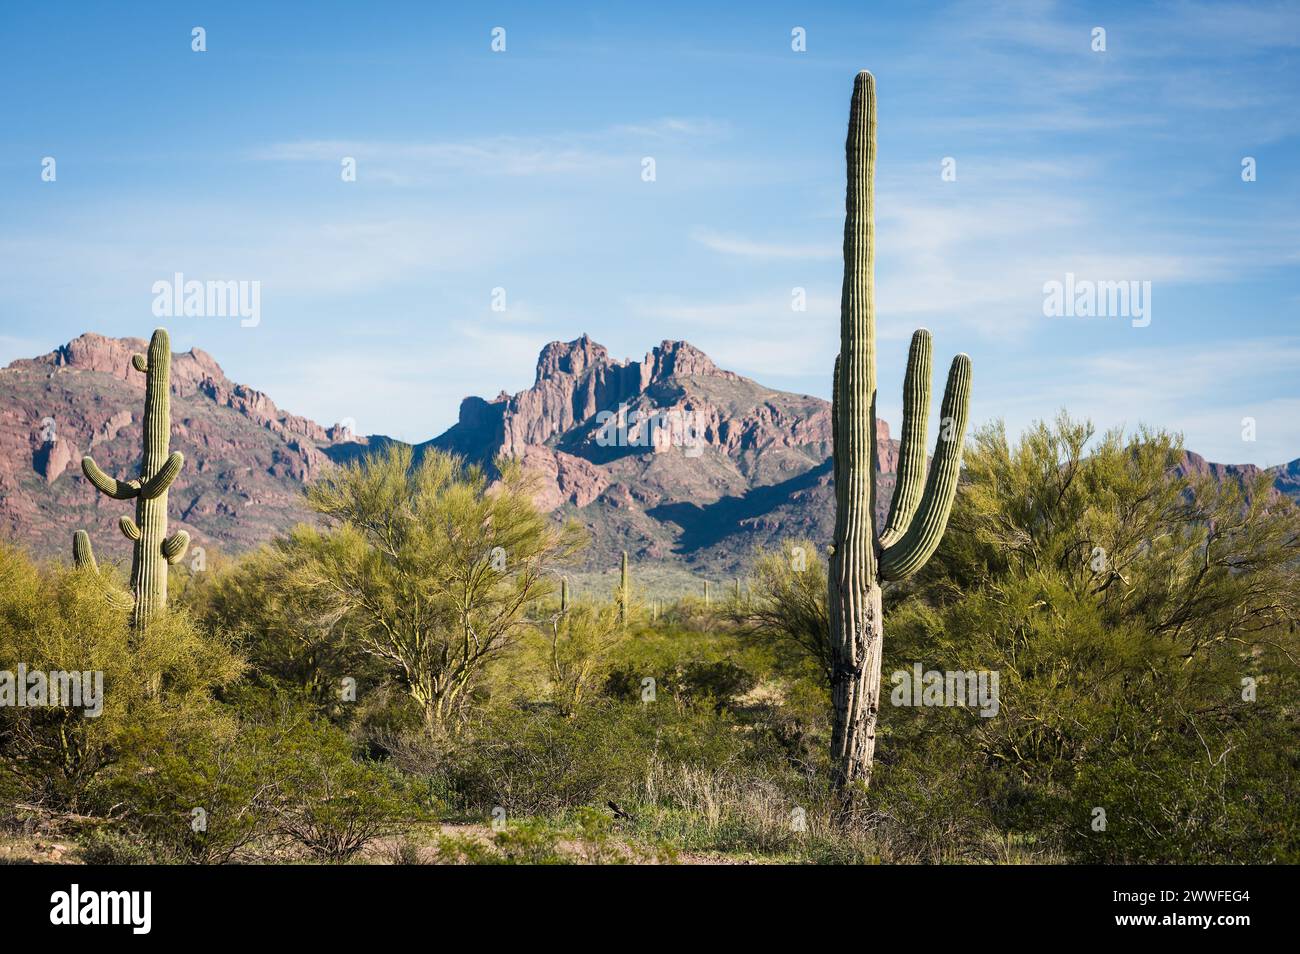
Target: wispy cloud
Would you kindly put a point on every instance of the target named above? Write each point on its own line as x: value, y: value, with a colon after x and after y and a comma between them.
x: 749, y: 248
x: 560, y: 154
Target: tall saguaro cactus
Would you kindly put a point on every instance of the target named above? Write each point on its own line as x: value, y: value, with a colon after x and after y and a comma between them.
x: 154, y: 549
x: 861, y: 557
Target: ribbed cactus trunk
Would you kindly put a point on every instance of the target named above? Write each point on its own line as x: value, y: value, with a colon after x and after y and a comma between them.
x: 856, y: 624
x: 623, y: 591
x: 154, y: 550
x: 564, y: 594
x: 861, y: 559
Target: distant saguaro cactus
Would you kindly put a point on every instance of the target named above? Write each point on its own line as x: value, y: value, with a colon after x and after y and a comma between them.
x: 154, y: 550
x: 624, y: 591
x: 564, y: 594
x: 918, y: 513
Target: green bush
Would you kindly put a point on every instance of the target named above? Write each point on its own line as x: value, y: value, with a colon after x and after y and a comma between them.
x: 156, y: 685
x: 329, y: 804
x: 106, y: 846
x: 536, y: 762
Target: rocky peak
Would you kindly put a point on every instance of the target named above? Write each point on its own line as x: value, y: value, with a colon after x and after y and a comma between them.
x: 680, y: 359
x: 572, y: 358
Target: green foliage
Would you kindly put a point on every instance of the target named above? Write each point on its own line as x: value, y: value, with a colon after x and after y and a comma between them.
x: 106, y: 846
x: 537, y: 762
x: 1122, y: 607
x: 283, y: 779
x: 295, y: 637
x: 787, y: 608
x: 564, y: 660
x: 157, y: 683
x: 330, y: 804
x: 431, y: 567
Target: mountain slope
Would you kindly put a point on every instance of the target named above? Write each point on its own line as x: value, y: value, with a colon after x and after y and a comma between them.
x: 246, y: 461
x: 668, y: 457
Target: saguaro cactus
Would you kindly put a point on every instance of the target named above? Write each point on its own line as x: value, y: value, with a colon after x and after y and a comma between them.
x: 624, y: 591
x: 860, y: 557
x: 154, y: 549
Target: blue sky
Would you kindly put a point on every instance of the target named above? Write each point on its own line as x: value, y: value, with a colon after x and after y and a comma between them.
x: 522, y: 170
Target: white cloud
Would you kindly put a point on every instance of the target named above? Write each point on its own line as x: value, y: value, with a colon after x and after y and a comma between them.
x: 560, y: 154
x: 749, y: 248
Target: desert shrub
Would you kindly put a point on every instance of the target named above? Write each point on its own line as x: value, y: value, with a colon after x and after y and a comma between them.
x: 787, y: 609
x: 110, y: 846
x: 403, y: 851
x: 431, y: 566
x: 201, y: 799
x: 156, y: 685
x: 537, y: 762
x: 565, y: 659
x: 585, y: 836
x: 1142, y: 628
x: 292, y: 637
x: 328, y: 803
x: 281, y: 776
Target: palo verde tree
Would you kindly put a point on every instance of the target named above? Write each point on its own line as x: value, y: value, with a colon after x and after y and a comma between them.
x: 861, y: 558
x: 434, y: 565
x: 1145, y: 625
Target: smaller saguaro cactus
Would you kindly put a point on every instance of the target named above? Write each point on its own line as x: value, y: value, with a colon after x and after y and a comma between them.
x: 564, y: 594
x: 154, y: 550
x: 706, y: 592
x: 624, y: 592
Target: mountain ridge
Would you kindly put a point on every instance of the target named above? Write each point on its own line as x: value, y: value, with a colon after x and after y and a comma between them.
x: 669, y: 457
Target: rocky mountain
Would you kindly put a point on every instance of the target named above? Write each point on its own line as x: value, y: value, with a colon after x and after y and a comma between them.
x: 246, y: 461
x: 668, y: 457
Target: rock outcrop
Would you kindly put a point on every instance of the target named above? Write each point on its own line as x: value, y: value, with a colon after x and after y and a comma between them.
x: 668, y: 457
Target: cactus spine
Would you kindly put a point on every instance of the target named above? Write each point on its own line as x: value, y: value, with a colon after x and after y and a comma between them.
x: 861, y: 558
x: 154, y: 550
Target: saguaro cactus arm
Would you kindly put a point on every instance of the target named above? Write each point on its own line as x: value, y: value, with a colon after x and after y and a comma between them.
x: 117, y: 489
x: 83, y: 558
x: 129, y: 528
x: 911, y: 450
x: 173, y: 548
x: 160, y: 481
x: 83, y: 554
x: 922, y: 538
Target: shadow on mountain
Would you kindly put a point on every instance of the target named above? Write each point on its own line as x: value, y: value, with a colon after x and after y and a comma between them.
x: 348, y: 451
x: 702, y: 527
